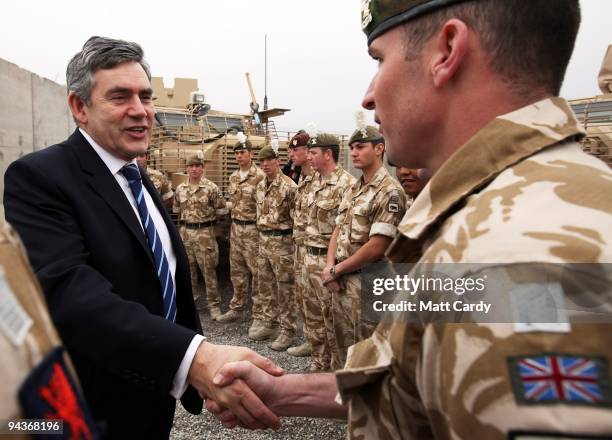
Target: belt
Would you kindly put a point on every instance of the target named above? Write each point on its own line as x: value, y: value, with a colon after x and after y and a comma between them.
x: 312, y: 250
x: 243, y: 222
x: 277, y: 232
x: 199, y: 225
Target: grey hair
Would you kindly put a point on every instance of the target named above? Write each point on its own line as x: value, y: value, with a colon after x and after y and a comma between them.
x: 100, y: 53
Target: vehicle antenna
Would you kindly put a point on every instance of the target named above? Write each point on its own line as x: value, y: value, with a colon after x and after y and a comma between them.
x: 265, y: 72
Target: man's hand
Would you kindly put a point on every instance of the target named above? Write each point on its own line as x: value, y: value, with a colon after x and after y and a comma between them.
x: 335, y: 286
x: 249, y: 409
x: 261, y: 383
x: 291, y: 395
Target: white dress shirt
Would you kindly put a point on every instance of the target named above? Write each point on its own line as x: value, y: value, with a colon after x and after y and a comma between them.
x: 114, y: 164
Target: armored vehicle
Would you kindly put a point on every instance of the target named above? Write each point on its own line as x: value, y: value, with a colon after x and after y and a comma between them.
x: 185, y: 124
x: 595, y: 115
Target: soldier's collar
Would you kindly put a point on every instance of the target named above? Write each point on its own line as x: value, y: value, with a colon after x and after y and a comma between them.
x: 378, y: 176
x: 503, y: 142
x: 333, y: 177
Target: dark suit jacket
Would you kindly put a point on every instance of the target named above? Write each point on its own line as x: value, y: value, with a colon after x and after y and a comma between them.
x: 97, y: 271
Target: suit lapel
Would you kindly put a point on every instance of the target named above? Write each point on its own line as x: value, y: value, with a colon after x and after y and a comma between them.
x: 105, y: 185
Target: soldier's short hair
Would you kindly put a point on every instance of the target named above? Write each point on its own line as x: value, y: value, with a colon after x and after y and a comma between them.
x: 529, y: 42
x: 100, y: 53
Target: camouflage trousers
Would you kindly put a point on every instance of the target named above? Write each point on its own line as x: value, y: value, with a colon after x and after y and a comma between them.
x: 244, y: 246
x: 203, y: 253
x: 303, y: 294
x: 274, y: 301
x: 319, y: 322
x: 348, y: 325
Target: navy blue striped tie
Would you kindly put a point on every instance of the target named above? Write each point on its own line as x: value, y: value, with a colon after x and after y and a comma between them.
x: 132, y: 174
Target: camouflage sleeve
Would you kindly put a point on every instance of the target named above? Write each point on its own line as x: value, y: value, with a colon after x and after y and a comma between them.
x: 549, y: 376
x: 387, y: 212
x: 219, y: 203
x: 345, y: 203
x: 176, y: 206
x: 166, y: 190
x: 291, y: 194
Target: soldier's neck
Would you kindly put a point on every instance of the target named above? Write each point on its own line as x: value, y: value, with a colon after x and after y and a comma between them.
x: 306, y: 168
x: 245, y: 167
x: 328, y: 169
x: 369, y: 172
x: 272, y: 177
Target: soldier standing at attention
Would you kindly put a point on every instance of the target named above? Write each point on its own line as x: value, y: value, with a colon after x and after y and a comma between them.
x: 274, y: 300
x: 329, y: 185
x: 469, y: 90
x: 298, y: 149
x: 244, y: 237
x: 367, y: 222
x: 198, y: 202
x: 159, y: 179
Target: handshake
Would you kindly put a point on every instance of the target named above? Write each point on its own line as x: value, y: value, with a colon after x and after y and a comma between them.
x: 243, y: 388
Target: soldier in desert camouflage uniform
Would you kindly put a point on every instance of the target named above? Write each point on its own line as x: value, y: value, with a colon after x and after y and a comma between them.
x: 159, y: 179
x: 198, y: 202
x: 510, y: 188
x: 329, y: 185
x: 244, y: 237
x: 366, y: 223
x: 31, y: 352
x: 413, y: 181
x: 304, y: 298
x: 274, y: 300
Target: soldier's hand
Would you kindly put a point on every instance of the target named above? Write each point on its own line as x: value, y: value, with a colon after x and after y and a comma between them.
x: 335, y: 286
x: 326, y: 276
x: 247, y: 407
x: 261, y: 383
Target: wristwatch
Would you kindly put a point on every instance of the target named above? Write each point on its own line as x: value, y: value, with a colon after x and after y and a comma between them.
x: 332, y: 272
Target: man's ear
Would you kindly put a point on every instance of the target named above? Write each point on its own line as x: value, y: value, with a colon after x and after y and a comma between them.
x: 450, y: 51
x: 78, y: 109
x: 379, y: 148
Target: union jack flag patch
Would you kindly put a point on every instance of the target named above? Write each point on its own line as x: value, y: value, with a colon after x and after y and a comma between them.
x: 560, y: 378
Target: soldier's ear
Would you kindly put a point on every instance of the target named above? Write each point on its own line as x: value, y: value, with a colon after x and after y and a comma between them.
x: 449, y: 52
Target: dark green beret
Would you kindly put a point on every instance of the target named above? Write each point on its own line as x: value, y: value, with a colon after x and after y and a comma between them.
x: 366, y: 134
x: 267, y: 153
x: 378, y: 16
x: 240, y: 146
x: 324, y: 140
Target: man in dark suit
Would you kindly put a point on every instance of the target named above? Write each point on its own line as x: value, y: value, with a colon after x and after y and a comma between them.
x: 93, y: 225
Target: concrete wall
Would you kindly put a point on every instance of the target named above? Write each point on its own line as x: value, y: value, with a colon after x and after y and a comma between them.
x: 33, y: 114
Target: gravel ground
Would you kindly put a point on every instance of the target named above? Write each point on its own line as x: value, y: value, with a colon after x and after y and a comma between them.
x: 188, y: 426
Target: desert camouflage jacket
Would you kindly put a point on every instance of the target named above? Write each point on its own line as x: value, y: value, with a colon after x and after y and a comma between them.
x: 242, y: 193
x: 367, y: 209
x: 300, y: 208
x: 323, y: 204
x: 201, y: 203
x: 519, y: 194
x: 274, y: 203
x: 160, y: 182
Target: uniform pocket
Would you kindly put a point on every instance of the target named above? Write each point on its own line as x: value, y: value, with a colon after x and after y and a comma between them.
x: 360, y: 227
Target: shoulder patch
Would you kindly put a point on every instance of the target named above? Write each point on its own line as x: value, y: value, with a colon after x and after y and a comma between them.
x: 49, y: 392
x: 394, y: 203
x: 553, y: 378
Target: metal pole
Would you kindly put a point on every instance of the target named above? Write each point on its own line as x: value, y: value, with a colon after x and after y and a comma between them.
x: 265, y: 72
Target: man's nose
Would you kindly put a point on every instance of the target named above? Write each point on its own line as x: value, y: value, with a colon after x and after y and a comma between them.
x: 368, y: 99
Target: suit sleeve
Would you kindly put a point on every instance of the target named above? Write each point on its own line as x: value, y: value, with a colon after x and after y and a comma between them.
x: 99, y: 326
